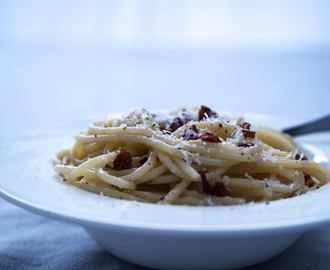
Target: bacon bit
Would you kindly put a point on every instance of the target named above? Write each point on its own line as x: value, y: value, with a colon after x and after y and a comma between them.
x: 209, y: 137
x: 179, y: 122
x: 246, y: 125
x: 249, y: 133
x: 246, y: 130
x: 124, y: 128
x: 176, y: 124
x: 308, y: 180
x: 144, y: 160
x: 191, y: 133
x: 246, y: 144
x: 123, y: 160
x: 219, y: 189
x: 297, y: 157
x: 207, y: 110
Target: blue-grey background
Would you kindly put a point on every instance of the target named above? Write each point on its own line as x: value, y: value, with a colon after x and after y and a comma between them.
x: 66, y: 59
x: 63, y: 60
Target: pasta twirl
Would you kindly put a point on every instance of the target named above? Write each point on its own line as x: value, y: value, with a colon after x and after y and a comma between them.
x: 188, y: 157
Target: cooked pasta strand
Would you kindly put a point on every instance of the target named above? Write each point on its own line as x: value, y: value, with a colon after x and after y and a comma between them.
x: 194, y: 157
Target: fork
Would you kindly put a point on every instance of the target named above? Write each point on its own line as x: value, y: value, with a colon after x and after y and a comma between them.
x: 322, y: 124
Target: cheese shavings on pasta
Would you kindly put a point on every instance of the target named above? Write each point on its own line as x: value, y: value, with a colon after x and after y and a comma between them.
x: 188, y: 157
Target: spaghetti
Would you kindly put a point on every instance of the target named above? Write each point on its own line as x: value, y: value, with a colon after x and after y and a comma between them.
x: 188, y: 157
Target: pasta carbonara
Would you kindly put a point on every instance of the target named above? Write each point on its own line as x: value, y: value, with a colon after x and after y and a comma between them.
x: 188, y: 157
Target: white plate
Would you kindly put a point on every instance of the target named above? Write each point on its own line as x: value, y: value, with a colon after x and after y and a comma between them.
x: 158, y: 236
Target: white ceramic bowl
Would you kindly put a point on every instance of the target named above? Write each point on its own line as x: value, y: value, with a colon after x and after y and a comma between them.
x: 157, y: 236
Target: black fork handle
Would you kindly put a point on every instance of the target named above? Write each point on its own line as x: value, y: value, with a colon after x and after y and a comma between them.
x: 322, y: 124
